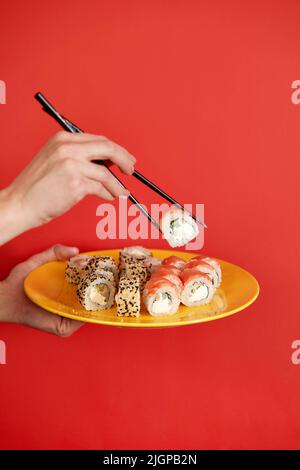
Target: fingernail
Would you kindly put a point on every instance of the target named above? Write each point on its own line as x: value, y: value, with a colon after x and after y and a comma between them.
x: 74, y: 249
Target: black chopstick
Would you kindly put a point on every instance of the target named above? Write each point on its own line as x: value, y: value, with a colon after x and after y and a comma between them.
x: 162, y: 193
x: 70, y: 127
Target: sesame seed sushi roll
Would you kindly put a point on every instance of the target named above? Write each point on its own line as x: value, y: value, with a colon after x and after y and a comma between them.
x: 76, y: 266
x: 161, y: 297
x: 128, y: 298
x: 137, y: 270
x: 214, y: 263
x: 205, y: 268
x: 197, y: 289
x: 107, y: 263
x: 178, y: 226
x: 174, y: 261
x: 96, y: 292
x: 134, y: 253
x: 107, y: 274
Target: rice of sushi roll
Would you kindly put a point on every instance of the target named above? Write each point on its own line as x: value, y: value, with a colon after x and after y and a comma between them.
x: 96, y: 292
x: 128, y: 298
x: 161, y: 297
x: 198, y: 288
x: 178, y: 226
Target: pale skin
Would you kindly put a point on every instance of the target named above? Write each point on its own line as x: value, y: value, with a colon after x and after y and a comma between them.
x: 59, y: 176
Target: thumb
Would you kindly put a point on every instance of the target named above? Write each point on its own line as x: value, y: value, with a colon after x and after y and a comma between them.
x: 55, y: 253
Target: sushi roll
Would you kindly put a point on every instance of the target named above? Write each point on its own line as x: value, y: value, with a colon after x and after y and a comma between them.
x: 106, y: 263
x: 214, y: 263
x: 107, y: 274
x: 174, y: 261
x: 152, y: 264
x: 135, y: 269
x: 170, y: 269
x: 178, y: 226
x: 96, y: 292
x: 128, y: 298
x: 205, y: 268
x: 197, y: 289
x: 166, y: 273
x: 136, y: 260
x: 161, y: 297
x: 134, y: 253
x: 80, y: 265
x: 76, y: 266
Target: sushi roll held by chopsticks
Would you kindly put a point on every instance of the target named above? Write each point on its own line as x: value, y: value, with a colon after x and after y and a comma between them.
x: 178, y: 226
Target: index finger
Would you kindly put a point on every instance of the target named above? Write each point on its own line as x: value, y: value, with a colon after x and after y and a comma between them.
x: 101, y: 150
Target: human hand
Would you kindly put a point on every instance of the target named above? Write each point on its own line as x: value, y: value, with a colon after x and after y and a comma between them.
x: 17, y: 308
x: 60, y: 176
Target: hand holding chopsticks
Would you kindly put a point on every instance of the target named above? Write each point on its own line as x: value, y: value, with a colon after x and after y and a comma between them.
x: 70, y: 127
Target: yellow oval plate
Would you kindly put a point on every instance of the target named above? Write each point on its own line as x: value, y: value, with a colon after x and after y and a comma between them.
x: 46, y: 286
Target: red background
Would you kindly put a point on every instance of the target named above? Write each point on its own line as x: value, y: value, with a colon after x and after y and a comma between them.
x: 200, y: 92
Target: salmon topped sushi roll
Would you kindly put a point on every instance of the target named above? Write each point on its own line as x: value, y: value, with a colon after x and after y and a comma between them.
x: 214, y: 263
x: 197, y: 289
x: 168, y: 274
x: 205, y: 268
x: 174, y: 261
x: 170, y: 269
x: 161, y: 297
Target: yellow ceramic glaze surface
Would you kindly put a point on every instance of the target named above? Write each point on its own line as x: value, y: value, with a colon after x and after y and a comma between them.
x: 46, y: 286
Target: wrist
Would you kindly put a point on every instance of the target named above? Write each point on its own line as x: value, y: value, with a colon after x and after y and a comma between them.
x: 9, y: 313
x: 3, y: 310
x: 13, y: 218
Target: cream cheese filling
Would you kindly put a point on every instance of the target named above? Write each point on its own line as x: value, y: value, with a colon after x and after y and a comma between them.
x: 99, y: 294
x: 181, y: 231
x: 162, y: 303
x: 199, y: 291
